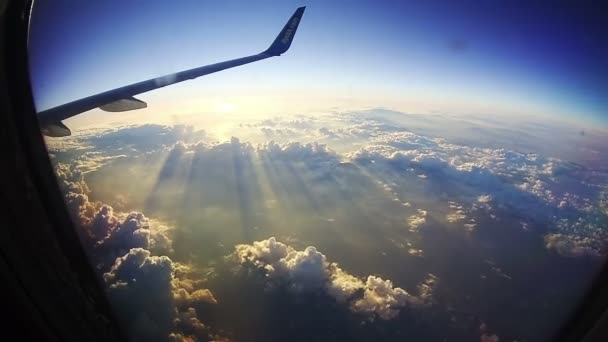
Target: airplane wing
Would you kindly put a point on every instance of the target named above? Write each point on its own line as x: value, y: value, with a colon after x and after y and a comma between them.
x: 122, y: 99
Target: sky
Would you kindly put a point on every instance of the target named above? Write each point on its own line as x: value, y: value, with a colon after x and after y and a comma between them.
x: 510, y: 58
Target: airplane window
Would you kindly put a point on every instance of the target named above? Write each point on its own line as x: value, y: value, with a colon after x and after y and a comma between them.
x: 264, y: 171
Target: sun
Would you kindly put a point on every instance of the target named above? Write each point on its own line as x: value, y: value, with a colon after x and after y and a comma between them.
x: 224, y: 107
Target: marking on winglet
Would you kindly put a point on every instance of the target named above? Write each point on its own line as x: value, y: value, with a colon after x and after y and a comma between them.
x: 289, y: 32
x: 285, y: 38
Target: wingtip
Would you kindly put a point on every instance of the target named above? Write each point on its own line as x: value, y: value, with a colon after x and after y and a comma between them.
x: 283, y: 41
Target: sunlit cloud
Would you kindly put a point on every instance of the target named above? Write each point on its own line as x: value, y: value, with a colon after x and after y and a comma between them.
x: 324, y: 185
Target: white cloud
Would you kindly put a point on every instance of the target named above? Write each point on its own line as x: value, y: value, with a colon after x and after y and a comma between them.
x: 343, y: 286
x: 415, y: 252
x: 456, y: 216
x: 569, y: 245
x: 381, y: 298
x: 309, y: 270
x: 182, y: 297
x: 262, y: 253
x: 484, y: 198
x: 459, y: 214
x: 92, y: 161
x: 417, y: 221
x: 545, y: 190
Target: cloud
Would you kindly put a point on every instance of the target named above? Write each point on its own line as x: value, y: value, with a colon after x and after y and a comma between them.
x: 70, y: 179
x: 484, y: 198
x: 457, y: 214
x: 179, y: 337
x: 142, y: 138
x: 543, y: 190
x: 152, y: 295
x: 415, y: 252
x: 426, y: 288
x: 369, y: 171
x: 188, y: 323
x: 108, y: 235
x: 573, y: 246
x: 547, y: 191
x: 149, y: 300
x: 309, y: 270
x: 381, y: 298
x: 92, y: 161
x: 143, y: 289
x: 139, y: 286
x: 489, y: 338
x: 417, y: 221
x: 343, y: 286
x: 90, y: 150
x: 181, y: 297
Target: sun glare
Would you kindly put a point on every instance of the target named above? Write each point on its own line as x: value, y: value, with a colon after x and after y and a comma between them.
x: 224, y: 107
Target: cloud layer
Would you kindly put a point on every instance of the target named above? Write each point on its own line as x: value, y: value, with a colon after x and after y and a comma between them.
x: 567, y: 198
x: 340, y: 177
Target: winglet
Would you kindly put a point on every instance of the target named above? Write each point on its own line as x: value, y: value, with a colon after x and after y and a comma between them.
x: 283, y: 41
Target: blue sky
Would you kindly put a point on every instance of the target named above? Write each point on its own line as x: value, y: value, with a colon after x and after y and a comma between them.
x: 542, y: 59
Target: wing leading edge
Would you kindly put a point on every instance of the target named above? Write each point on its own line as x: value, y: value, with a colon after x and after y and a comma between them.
x: 122, y: 99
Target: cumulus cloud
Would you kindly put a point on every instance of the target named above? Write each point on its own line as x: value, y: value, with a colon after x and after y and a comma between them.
x: 544, y: 190
x: 426, y: 287
x: 188, y: 323
x: 457, y: 214
x: 381, y: 298
x: 153, y: 296
x: 484, y: 198
x: 182, y: 297
x: 343, y: 286
x: 417, y: 221
x: 568, y: 245
x: 145, y: 291
x: 139, y: 285
x: 309, y: 270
